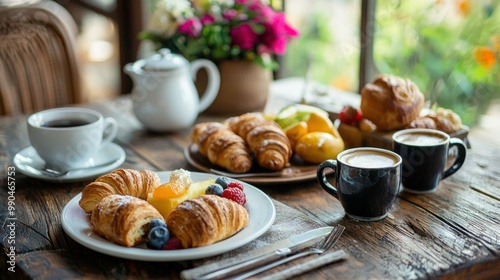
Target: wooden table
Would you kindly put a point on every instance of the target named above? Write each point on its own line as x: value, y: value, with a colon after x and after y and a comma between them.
x: 453, y: 233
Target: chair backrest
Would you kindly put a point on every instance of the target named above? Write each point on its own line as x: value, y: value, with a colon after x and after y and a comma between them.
x: 39, y: 68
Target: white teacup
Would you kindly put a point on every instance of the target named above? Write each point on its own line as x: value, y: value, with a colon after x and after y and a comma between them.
x: 66, y: 138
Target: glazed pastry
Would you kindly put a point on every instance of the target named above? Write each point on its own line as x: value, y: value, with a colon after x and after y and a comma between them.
x: 446, y: 120
x: 206, y: 219
x: 423, y: 122
x: 222, y: 146
x: 266, y: 139
x: 391, y: 102
x: 123, y: 219
x: 121, y: 181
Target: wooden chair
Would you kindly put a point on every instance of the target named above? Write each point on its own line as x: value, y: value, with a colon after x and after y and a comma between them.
x: 38, y: 60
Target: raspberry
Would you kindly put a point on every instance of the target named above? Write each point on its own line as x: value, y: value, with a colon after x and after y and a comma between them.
x: 235, y: 194
x: 172, y: 244
x: 235, y: 184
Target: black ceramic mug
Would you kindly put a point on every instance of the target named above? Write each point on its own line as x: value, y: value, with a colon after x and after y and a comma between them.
x: 367, y: 181
x: 425, y: 156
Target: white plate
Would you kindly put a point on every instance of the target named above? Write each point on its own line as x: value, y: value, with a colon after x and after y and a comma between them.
x: 29, y: 163
x: 260, y: 208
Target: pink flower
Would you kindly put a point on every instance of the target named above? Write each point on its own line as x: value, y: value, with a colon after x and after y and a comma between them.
x: 277, y: 34
x: 207, y: 19
x: 243, y: 36
x: 263, y: 12
x: 191, y: 27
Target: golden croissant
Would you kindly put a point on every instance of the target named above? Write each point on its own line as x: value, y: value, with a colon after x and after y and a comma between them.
x: 121, y: 181
x: 265, y: 138
x: 222, y: 146
x: 123, y: 219
x: 206, y: 219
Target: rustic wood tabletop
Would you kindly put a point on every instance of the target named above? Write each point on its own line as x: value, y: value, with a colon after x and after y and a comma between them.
x: 452, y: 233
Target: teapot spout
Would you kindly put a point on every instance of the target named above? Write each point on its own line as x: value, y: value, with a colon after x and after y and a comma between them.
x: 131, y: 72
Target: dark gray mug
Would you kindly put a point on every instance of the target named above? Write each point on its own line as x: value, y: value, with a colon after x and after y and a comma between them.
x: 425, y: 155
x: 367, y: 181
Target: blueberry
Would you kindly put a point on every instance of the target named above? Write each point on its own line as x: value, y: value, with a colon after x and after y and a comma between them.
x: 214, y: 189
x: 157, y: 222
x: 223, y: 181
x: 157, y: 237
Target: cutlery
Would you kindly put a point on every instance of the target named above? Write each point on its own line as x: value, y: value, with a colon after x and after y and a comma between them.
x: 293, y: 244
x: 286, y: 172
x: 308, y: 266
x: 322, y: 246
x: 53, y: 172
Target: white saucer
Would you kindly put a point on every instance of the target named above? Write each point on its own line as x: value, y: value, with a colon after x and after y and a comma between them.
x: 29, y: 163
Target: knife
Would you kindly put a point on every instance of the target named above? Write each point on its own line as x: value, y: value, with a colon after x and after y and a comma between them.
x: 291, y: 245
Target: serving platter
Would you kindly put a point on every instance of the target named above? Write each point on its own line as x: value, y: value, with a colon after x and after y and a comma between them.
x: 297, y: 171
x: 261, y: 210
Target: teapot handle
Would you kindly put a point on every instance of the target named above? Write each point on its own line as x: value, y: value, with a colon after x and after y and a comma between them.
x: 208, y: 97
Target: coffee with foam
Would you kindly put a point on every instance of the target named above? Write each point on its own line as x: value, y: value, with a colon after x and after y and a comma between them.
x: 369, y: 159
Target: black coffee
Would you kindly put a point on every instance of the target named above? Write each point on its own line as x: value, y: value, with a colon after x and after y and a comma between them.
x: 65, y: 123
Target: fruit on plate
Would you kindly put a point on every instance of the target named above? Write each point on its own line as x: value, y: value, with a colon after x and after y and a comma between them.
x: 311, y: 132
x: 295, y: 113
x: 295, y: 131
x: 316, y: 147
x: 167, y: 196
x: 350, y: 115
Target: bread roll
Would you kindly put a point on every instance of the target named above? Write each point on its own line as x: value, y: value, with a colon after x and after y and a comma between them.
x: 391, y: 102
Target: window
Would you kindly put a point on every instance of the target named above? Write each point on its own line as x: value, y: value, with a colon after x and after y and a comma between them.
x: 449, y: 48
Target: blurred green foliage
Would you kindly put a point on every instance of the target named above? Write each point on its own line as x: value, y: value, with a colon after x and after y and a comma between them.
x: 431, y: 42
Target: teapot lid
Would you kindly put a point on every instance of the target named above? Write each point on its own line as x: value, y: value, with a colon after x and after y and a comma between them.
x: 164, y: 60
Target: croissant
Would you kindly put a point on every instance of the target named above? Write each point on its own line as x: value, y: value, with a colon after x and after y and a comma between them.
x: 121, y: 181
x: 123, y: 219
x: 222, y: 146
x: 266, y: 139
x: 206, y: 219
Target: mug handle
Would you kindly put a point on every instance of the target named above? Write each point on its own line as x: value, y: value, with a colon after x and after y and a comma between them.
x: 323, y: 182
x: 110, y: 125
x: 208, y: 97
x: 462, y: 151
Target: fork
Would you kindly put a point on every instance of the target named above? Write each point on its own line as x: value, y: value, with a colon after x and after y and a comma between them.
x: 320, y: 247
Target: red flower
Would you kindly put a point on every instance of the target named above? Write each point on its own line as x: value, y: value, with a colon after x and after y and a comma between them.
x: 485, y: 56
x: 191, y: 27
x: 243, y: 36
x: 277, y: 34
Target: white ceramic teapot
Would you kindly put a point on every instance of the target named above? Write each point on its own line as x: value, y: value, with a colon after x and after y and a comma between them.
x: 164, y: 95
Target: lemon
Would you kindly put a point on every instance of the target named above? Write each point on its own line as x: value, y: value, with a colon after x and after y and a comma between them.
x: 316, y: 147
x: 295, y: 113
x: 295, y: 131
x: 321, y: 123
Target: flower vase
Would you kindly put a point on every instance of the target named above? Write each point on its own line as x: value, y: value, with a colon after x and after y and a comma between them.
x: 244, y: 87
